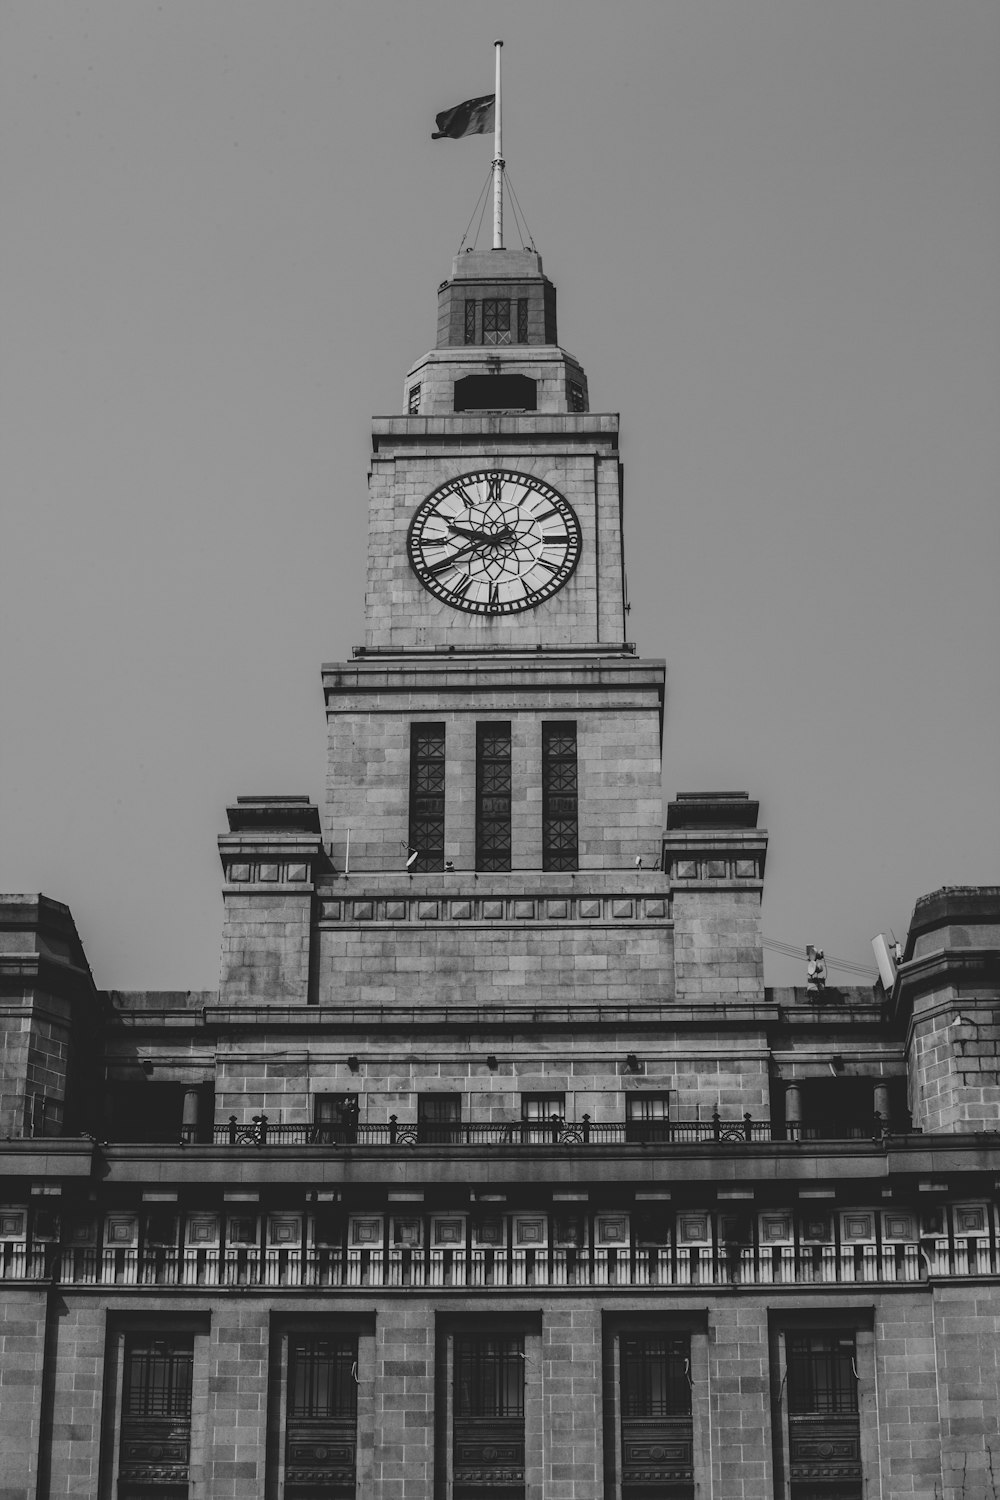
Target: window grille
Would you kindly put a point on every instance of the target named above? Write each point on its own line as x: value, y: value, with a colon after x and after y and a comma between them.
x: 155, y: 1442
x: 413, y: 400
x: 823, y: 1416
x: 657, y: 1446
x: 576, y: 400
x: 322, y: 1412
x: 158, y: 1378
x: 321, y: 1379
x: 522, y: 320
x: 427, y: 770
x: 470, y: 322
x: 655, y: 1376
x: 493, y: 797
x: 560, y: 800
x: 489, y: 1377
x: 821, y: 1375
x: 496, y: 320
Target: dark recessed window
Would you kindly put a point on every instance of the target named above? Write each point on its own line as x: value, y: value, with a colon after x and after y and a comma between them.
x: 439, y: 1118
x: 822, y: 1385
x: 470, y: 322
x: 413, y: 400
x: 576, y: 396
x: 156, y: 1416
x: 496, y: 393
x: 560, y: 798
x: 647, y: 1118
x: 522, y: 320
x: 321, y: 1435
x: 493, y: 796
x: 427, y: 768
x: 656, y: 1414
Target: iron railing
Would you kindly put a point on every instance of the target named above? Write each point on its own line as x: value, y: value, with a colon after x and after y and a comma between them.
x: 260, y: 1131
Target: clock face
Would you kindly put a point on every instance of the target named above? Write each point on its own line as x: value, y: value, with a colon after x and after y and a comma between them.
x: 494, y: 542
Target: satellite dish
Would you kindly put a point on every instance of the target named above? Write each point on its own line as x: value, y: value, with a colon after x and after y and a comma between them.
x: 412, y: 858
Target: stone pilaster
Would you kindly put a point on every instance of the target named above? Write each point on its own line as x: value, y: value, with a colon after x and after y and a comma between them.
x: 270, y: 858
x: 713, y: 855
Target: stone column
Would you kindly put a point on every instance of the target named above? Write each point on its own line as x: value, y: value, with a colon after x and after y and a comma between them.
x: 881, y: 1103
x: 189, y: 1117
x: 793, y: 1111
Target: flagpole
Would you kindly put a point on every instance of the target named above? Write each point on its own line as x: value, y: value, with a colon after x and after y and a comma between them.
x: 498, y: 163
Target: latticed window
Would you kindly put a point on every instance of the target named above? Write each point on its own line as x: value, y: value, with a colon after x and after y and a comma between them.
x: 470, y: 322
x: 413, y: 400
x: 657, y: 1434
x: 322, y: 1410
x: 655, y: 1376
x: 543, y: 1115
x: 576, y: 401
x: 427, y: 768
x: 158, y: 1377
x: 496, y: 320
x: 493, y: 796
x: 821, y: 1374
x: 522, y: 320
x: 560, y: 837
x: 321, y: 1379
x: 823, y: 1418
x: 489, y: 1377
x: 488, y: 1421
x: 156, y: 1416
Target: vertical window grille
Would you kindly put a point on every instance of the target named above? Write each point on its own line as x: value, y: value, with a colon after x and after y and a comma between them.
x: 560, y: 801
x: 427, y: 768
x: 493, y: 797
x: 496, y: 320
x: 488, y: 1421
x: 657, y: 1433
x: 647, y: 1117
x: 822, y: 1394
x: 322, y: 1414
x: 522, y: 320
x: 439, y: 1118
x: 156, y: 1416
x: 470, y: 322
x: 576, y: 401
x: 413, y: 400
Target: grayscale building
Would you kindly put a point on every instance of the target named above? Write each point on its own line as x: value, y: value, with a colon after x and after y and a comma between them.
x: 492, y: 1170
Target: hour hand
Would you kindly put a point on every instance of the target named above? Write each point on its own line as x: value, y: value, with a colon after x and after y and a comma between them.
x: 472, y: 536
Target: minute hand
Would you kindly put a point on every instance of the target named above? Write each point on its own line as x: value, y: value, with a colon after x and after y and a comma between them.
x: 446, y: 562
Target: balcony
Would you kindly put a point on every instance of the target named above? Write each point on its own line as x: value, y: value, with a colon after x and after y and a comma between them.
x: 260, y: 1131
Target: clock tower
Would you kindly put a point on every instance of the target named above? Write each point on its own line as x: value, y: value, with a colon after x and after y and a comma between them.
x: 495, y: 650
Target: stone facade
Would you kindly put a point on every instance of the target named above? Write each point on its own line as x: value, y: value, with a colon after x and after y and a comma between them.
x: 505, y: 1176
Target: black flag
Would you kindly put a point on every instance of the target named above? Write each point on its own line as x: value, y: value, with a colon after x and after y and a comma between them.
x: 474, y: 117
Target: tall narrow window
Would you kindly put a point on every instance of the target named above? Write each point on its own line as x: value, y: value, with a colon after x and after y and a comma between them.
x: 496, y: 320
x: 413, y: 400
x: 543, y: 1116
x: 156, y: 1417
x: 493, y: 789
x: 427, y: 797
x: 321, y: 1429
x: 560, y: 839
x: 488, y: 1420
x: 823, y: 1422
x: 575, y: 394
x: 657, y: 1437
x: 522, y: 320
x: 470, y: 321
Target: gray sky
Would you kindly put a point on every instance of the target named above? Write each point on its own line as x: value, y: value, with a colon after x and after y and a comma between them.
x: 774, y: 229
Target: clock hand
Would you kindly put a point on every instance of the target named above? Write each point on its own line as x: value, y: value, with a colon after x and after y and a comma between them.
x: 446, y: 562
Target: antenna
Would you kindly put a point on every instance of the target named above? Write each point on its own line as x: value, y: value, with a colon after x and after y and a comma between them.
x: 886, y: 959
x: 498, y: 161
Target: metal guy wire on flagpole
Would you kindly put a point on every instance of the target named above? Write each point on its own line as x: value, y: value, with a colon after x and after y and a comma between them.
x: 498, y: 162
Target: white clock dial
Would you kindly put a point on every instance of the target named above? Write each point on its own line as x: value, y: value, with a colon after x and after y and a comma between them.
x: 494, y: 542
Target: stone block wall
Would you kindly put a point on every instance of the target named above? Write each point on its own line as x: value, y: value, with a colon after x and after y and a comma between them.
x: 265, y: 948
x: 22, y: 1357
x: 700, y: 1073
x: 718, y: 952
